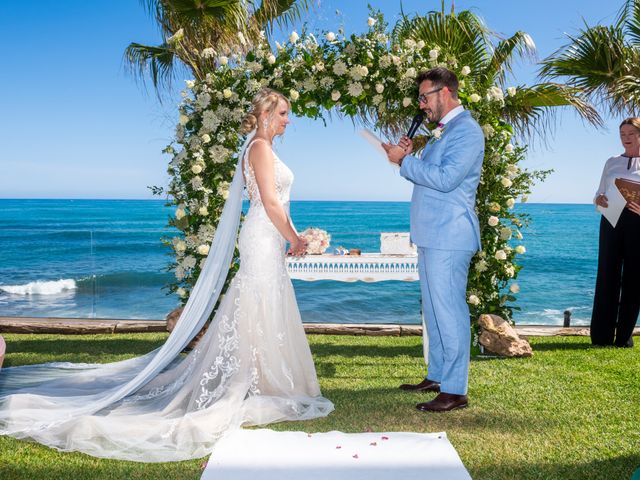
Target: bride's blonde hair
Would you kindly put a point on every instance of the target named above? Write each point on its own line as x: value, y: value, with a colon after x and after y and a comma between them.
x: 266, y: 100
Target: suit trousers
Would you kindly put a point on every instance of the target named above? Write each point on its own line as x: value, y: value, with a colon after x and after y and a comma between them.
x: 443, y: 281
x: 616, y: 301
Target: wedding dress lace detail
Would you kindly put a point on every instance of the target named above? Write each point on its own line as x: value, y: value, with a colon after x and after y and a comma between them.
x: 253, y: 366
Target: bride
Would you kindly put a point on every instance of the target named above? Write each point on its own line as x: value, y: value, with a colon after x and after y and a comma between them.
x: 252, y: 367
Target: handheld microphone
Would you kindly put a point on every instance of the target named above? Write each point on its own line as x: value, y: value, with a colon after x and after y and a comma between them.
x: 415, y: 124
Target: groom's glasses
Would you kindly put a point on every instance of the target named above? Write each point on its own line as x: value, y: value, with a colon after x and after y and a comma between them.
x: 423, y: 97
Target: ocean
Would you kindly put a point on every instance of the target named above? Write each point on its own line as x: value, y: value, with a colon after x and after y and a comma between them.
x: 104, y: 259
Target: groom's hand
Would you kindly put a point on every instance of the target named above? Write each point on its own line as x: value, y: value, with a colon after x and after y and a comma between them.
x: 395, y: 153
x: 406, y: 144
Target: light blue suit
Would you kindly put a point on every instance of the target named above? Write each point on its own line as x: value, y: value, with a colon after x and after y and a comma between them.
x: 445, y: 228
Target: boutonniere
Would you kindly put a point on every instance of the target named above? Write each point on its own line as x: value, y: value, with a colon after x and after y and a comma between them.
x: 436, y: 134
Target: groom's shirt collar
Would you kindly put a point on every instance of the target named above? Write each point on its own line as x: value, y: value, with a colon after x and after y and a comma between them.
x: 451, y: 115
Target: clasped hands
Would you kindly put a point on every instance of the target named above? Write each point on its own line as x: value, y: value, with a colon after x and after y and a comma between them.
x: 396, y: 153
x: 603, y: 201
x: 299, y: 247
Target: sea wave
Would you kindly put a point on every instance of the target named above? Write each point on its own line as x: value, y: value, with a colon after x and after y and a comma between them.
x: 41, y: 287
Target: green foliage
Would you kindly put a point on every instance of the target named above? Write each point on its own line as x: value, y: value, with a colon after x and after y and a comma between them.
x: 603, y: 62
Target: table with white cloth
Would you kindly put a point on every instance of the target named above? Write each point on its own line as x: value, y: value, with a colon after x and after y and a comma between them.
x: 367, y: 267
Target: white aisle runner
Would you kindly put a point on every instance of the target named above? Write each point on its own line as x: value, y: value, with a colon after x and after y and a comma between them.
x: 269, y: 455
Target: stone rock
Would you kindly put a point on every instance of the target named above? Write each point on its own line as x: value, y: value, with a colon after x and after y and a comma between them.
x: 172, y: 320
x: 3, y: 348
x: 498, y: 336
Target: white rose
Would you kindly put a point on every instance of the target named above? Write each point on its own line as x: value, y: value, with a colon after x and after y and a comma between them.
x: 371, y: 21
x: 190, y: 83
x: 474, y: 98
x: 180, y: 213
x: 180, y: 246
x: 203, y: 211
x: 520, y: 249
x: 293, y: 38
x: 420, y: 44
x: 493, y: 221
x: 406, y: 101
x: 223, y: 60
x: 181, y: 292
x: 183, y: 119
x: 379, y: 88
x: 208, y: 52
x: 271, y: 59
x: 335, y: 95
x: 473, y: 300
x: 433, y: 54
x: 196, y: 169
x: 436, y: 133
x: 510, y: 202
x: 505, y: 233
x: 509, y: 148
x: 510, y: 271
x: 511, y: 91
x: 494, y: 207
x: 410, y: 73
x: 330, y: 36
x: 506, y: 182
x: 227, y: 93
x: 294, y: 95
x: 465, y: 71
x: 206, y: 138
x: 514, y: 288
x: 481, y: 265
x: 500, y: 255
x: 203, y: 249
x: 488, y: 131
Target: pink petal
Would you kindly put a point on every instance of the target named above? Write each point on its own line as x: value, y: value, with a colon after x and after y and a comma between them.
x: 373, y: 444
x: 385, y: 438
x: 338, y: 447
x: 355, y: 456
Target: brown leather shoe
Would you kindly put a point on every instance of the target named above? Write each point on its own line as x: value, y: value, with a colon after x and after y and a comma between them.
x: 424, y: 386
x: 444, y: 402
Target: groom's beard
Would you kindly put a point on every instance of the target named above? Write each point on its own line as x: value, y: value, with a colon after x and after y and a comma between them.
x: 434, y: 114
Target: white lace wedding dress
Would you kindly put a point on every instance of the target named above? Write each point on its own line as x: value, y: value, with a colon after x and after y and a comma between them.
x: 252, y: 367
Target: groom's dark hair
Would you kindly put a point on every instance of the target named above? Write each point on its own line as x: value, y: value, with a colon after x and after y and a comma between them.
x: 440, y: 77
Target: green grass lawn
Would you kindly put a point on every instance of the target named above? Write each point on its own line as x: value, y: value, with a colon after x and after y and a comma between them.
x: 570, y: 412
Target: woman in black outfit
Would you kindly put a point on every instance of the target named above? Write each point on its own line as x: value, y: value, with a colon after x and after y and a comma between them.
x: 617, y: 298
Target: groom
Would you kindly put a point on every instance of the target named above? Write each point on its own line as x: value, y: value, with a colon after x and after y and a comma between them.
x: 445, y: 228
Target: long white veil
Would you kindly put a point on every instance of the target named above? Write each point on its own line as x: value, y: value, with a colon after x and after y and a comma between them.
x: 41, y: 402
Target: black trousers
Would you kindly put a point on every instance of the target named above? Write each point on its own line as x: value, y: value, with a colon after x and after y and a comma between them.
x: 617, y: 298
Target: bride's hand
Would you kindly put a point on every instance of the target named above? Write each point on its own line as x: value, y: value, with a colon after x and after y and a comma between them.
x: 298, y: 248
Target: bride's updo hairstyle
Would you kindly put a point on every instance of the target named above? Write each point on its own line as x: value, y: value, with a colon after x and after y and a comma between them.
x: 266, y: 100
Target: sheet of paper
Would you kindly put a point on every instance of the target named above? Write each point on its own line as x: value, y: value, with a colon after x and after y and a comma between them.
x: 616, y: 204
x: 370, y: 137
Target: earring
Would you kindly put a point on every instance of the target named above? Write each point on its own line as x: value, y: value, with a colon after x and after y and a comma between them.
x: 265, y: 124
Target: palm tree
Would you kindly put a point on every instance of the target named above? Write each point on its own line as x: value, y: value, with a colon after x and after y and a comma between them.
x: 603, y: 62
x: 464, y: 37
x: 191, y: 27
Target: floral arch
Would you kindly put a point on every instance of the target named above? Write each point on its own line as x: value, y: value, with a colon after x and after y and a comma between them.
x: 370, y: 78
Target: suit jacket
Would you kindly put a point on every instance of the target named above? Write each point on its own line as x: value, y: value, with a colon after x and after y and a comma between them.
x: 445, y: 182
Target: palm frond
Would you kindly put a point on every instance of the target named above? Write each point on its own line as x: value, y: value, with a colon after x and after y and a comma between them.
x: 532, y: 110
x: 463, y: 36
x: 279, y: 12
x: 156, y: 62
x: 519, y: 45
x: 593, y: 61
x: 629, y: 19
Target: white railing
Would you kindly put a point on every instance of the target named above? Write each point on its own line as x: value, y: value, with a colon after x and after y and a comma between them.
x: 368, y: 267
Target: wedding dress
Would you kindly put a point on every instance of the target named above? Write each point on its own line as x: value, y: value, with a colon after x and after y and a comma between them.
x: 252, y: 367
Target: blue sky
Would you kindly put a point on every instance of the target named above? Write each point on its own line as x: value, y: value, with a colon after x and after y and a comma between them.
x: 75, y: 124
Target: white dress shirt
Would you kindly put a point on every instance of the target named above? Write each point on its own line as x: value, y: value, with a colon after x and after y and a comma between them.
x: 451, y: 115
x: 618, y: 167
